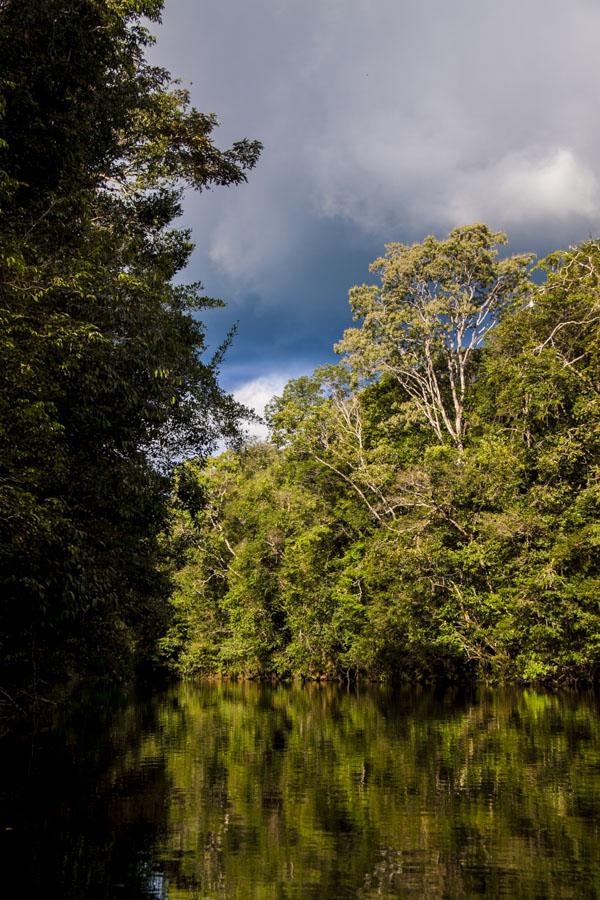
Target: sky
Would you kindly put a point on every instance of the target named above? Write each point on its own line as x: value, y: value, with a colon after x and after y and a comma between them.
x: 382, y: 120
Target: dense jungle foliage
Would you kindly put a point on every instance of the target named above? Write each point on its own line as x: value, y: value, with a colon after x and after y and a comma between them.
x: 426, y: 508
x: 102, y: 381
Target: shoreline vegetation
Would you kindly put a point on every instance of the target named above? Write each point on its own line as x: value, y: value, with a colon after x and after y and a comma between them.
x: 105, y: 377
x: 425, y: 510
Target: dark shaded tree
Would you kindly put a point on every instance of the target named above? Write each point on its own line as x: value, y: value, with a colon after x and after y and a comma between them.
x: 103, y: 378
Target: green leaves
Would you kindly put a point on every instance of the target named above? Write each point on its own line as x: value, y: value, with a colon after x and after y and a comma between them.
x: 104, y: 383
x: 425, y: 325
x: 368, y: 544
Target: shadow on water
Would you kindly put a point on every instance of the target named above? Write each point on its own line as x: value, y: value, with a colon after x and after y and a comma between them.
x: 81, y: 806
x: 243, y: 790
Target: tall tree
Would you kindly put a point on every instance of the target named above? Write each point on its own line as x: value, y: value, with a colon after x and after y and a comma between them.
x: 368, y: 544
x: 103, y: 380
x: 425, y: 322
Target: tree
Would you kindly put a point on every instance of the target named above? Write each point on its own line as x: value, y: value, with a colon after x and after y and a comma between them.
x: 424, y: 324
x: 544, y: 358
x: 103, y: 381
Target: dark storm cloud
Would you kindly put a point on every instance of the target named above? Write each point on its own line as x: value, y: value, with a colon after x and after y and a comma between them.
x: 382, y: 120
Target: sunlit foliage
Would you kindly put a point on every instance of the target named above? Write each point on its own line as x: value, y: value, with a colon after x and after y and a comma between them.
x: 371, y: 539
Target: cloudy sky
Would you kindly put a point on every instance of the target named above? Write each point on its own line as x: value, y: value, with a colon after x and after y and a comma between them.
x: 382, y: 120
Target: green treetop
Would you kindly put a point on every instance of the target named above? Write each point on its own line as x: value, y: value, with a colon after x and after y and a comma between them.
x: 426, y: 320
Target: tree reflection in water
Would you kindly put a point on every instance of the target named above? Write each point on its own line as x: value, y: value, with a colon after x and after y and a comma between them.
x: 242, y: 790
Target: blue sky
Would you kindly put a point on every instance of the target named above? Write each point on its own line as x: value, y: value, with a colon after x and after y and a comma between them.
x: 382, y: 121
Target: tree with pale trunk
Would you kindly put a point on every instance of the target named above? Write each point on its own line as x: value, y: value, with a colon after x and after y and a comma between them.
x: 424, y: 323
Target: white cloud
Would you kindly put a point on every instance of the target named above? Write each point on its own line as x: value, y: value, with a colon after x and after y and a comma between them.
x: 558, y: 185
x: 399, y: 117
x: 256, y: 393
x: 521, y: 191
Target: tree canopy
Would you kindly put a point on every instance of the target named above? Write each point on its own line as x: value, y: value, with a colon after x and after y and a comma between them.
x: 429, y: 507
x: 104, y: 380
x: 426, y: 321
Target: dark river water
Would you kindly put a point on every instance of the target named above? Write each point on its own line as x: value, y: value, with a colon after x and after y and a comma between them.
x: 246, y: 791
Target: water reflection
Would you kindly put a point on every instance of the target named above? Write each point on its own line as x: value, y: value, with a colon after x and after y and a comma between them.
x: 243, y: 791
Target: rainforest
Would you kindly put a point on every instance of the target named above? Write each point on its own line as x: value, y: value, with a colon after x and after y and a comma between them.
x: 426, y: 508
x: 348, y: 645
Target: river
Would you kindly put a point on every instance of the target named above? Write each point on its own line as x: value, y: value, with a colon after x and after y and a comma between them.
x: 249, y: 791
